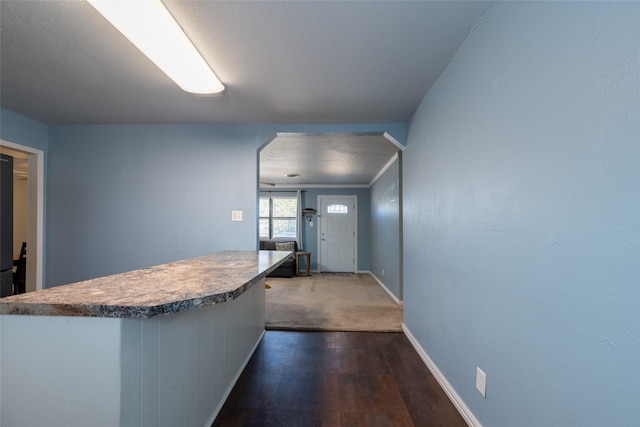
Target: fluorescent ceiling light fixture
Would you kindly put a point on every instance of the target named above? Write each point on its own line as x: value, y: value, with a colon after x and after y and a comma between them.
x: 151, y: 28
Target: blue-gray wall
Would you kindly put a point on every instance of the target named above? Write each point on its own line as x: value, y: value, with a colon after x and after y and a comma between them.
x: 126, y: 197
x: 521, y: 180
x: 130, y: 196
x: 23, y: 130
x: 385, y: 229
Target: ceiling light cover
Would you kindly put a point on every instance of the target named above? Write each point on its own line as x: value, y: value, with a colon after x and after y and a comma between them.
x: 151, y: 28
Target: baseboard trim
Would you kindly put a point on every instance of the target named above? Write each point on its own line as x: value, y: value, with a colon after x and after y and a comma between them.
x: 398, y: 301
x: 464, y: 411
x: 227, y: 392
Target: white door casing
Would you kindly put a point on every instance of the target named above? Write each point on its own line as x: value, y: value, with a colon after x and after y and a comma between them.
x: 337, y: 233
x: 35, y: 214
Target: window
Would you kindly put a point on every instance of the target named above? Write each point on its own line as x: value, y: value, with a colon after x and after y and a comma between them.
x: 278, y: 216
x: 337, y: 209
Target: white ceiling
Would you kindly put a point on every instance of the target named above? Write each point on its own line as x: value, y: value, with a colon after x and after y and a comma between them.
x: 282, y: 62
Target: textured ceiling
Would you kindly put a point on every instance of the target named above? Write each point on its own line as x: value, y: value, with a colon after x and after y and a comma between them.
x: 345, y: 160
x: 282, y: 62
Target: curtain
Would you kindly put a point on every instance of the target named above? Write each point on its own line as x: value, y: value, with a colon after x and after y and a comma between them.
x: 299, y: 221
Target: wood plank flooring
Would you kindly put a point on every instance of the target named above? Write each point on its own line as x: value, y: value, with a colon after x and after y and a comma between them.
x: 337, y: 379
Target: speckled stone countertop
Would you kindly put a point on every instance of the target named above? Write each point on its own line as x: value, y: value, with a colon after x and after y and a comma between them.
x: 162, y: 289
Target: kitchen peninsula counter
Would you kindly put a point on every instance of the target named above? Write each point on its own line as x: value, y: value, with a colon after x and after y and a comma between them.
x: 162, y: 289
x: 160, y: 346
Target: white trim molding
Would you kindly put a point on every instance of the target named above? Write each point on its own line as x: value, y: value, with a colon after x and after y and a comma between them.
x: 464, y: 411
x: 35, y: 213
x: 384, y: 169
x: 276, y: 187
x: 395, y: 298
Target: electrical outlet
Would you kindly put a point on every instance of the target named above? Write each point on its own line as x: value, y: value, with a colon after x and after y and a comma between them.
x: 481, y: 381
x: 236, y: 215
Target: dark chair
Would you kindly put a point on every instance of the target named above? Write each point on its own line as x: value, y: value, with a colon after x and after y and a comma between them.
x: 20, y: 275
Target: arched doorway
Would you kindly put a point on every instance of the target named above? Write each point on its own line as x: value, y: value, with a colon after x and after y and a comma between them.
x: 329, y: 164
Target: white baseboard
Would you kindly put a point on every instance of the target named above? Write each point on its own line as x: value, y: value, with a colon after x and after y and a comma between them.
x: 398, y: 301
x: 466, y: 413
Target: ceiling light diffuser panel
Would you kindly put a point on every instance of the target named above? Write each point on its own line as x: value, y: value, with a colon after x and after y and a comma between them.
x: 151, y: 28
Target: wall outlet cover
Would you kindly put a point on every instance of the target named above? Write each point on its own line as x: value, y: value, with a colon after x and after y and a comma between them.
x: 236, y: 215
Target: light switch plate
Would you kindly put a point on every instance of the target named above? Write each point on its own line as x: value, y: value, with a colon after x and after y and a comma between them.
x: 236, y: 215
x: 481, y: 382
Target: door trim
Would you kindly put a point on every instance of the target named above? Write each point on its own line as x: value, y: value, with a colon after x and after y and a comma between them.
x: 35, y: 215
x: 354, y: 199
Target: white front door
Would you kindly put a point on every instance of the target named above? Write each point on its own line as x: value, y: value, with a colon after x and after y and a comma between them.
x: 337, y: 233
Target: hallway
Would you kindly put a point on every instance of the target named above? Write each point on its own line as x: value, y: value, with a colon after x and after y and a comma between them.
x: 337, y: 379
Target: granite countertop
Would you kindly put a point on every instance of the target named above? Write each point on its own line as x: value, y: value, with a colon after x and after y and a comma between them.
x: 162, y: 289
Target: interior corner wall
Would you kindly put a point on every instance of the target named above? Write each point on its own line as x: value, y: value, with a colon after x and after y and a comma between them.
x: 385, y: 229
x: 23, y: 130
x: 521, y: 227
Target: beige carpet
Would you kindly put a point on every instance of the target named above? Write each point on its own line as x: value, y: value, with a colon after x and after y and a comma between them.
x: 331, y: 302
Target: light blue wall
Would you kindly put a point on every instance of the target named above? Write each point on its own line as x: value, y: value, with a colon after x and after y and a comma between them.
x: 385, y: 229
x: 126, y: 197
x: 131, y: 196
x: 23, y: 130
x: 521, y: 216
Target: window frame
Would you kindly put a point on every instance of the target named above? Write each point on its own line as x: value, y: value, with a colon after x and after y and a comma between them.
x: 271, y: 219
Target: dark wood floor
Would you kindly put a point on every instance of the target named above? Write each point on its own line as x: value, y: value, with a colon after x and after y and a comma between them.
x: 337, y: 379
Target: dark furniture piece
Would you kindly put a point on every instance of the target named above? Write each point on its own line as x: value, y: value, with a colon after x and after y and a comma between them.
x: 6, y: 225
x: 287, y: 268
x: 20, y: 275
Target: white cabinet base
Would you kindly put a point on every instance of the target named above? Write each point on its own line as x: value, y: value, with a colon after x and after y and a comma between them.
x: 167, y: 370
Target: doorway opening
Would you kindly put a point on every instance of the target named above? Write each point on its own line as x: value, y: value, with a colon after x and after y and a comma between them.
x: 366, y: 164
x: 337, y: 234
x: 30, y: 180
